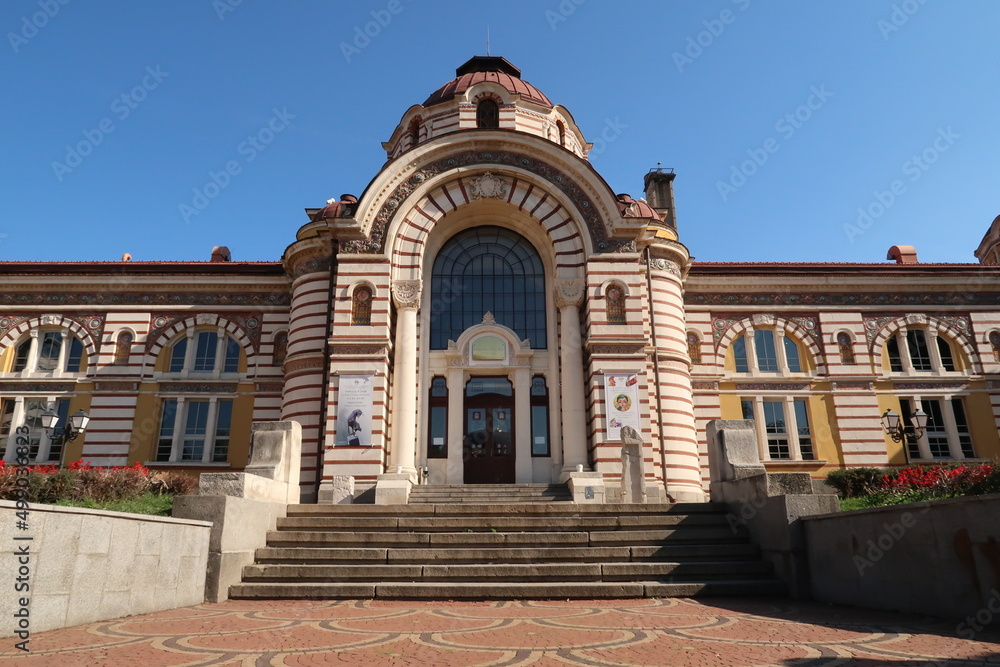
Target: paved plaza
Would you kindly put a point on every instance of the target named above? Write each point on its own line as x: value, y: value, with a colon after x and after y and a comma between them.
x: 762, y: 631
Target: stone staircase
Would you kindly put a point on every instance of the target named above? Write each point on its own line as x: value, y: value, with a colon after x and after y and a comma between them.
x: 514, y: 550
x: 488, y: 494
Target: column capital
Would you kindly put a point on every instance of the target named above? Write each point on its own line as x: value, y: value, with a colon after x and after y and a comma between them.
x: 570, y: 292
x: 406, y: 293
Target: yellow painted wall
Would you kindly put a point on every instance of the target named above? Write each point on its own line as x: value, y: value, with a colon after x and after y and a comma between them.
x: 145, y: 426
x: 985, y: 439
x: 239, y: 441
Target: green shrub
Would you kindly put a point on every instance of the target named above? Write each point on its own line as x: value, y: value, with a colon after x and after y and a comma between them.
x: 854, y: 482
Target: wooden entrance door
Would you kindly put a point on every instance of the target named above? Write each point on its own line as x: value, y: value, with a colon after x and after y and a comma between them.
x: 488, y: 448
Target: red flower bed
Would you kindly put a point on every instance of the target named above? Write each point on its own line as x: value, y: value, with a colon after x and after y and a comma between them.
x: 80, y: 481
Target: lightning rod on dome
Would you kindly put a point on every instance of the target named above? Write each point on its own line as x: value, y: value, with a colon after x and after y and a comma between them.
x: 488, y: 40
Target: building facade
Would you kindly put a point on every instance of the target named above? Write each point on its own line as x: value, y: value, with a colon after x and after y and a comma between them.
x: 488, y: 310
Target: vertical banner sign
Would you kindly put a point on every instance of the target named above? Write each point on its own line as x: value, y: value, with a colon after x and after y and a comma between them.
x: 621, y: 399
x: 354, y: 410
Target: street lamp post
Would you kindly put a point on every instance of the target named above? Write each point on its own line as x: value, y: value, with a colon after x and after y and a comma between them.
x: 77, y: 424
x: 908, y: 434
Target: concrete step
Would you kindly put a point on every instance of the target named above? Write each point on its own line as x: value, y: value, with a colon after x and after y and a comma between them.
x: 624, y: 537
x: 493, y: 523
x: 506, y: 509
x: 500, y: 590
x: 495, y: 554
x: 525, y: 572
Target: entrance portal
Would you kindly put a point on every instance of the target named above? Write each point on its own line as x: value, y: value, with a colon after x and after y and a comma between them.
x: 488, y: 447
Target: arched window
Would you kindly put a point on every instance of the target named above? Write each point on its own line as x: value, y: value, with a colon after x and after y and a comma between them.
x: 846, y: 346
x: 995, y: 344
x: 49, y: 347
x: 280, y: 349
x: 614, y: 298
x: 414, y: 132
x: 488, y: 115
x: 210, y: 352
x: 123, y: 348
x: 792, y: 355
x: 770, y: 354
x: 361, y: 306
x: 694, y: 347
x: 919, y: 350
x: 488, y: 269
x: 562, y: 133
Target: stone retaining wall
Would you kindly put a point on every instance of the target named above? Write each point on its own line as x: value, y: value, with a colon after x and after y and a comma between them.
x: 88, y: 565
x: 940, y: 558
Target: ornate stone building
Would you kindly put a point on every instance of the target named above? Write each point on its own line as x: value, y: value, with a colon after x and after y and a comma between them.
x: 488, y: 310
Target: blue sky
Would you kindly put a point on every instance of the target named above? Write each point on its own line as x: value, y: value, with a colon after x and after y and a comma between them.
x: 782, y: 119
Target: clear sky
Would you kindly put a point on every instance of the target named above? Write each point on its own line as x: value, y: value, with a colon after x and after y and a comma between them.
x: 781, y: 118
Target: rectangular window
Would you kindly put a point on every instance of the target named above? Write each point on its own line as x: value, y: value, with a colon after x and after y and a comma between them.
x: 962, y: 426
x: 906, y: 415
x: 767, y: 357
x: 177, y: 356
x: 21, y: 360
x: 747, y: 408
x: 774, y: 426
x: 204, y: 357
x: 437, y: 433
x: 223, y: 427
x: 166, y: 441
x: 916, y: 341
x: 48, y: 351
x: 232, y: 364
x: 740, y: 355
x: 75, y: 356
x: 937, y: 434
x: 195, y: 430
x: 802, y: 424
x: 539, y: 417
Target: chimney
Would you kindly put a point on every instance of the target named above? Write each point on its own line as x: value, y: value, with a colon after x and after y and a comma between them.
x: 659, y: 187
x: 127, y: 257
x: 903, y: 254
x: 220, y: 253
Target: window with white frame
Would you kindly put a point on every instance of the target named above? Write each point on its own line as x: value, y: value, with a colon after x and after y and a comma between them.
x: 49, y: 352
x: 766, y: 351
x: 947, y: 435
x: 27, y: 411
x: 783, y: 424
x: 919, y: 351
x: 195, y: 430
x: 213, y: 352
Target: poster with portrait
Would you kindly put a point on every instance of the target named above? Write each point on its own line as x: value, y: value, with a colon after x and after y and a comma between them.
x: 354, y: 410
x: 621, y: 398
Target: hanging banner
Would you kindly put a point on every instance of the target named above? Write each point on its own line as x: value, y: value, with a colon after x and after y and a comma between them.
x: 354, y: 410
x: 621, y: 398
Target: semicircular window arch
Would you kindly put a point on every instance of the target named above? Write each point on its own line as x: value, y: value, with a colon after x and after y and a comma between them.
x: 488, y: 269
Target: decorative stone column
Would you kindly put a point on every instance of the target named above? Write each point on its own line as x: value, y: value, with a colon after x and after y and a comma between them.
x: 675, y: 410
x: 569, y: 295
x: 403, y: 446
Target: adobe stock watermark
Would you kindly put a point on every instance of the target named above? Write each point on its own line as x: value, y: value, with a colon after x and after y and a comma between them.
x: 248, y: 150
x: 914, y: 168
x: 30, y: 25
x: 363, y: 35
x: 122, y: 107
x: 223, y: 7
x: 562, y: 12
x: 890, y: 536
x: 696, y: 45
x: 900, y: 16
x: 968, y: 628
x: 786, y: 127
x: 609, y: 134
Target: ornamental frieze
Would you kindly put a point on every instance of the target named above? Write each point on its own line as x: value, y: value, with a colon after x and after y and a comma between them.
x: 144, y: 299
x: 931, y: 386
x: 959, y: 324
x: 620, y: 349
x: 854, y: 386
x: 772, y: 386
x: 807, y: 323
x: 375, y: 243
x: 366, y: 350
x: 92, y: 323
x: 924, y: 300
x: 26, y: 387
x: 705, y: 386
x: 198, y: 388
x: 270, y: 387
x: 112, y: 386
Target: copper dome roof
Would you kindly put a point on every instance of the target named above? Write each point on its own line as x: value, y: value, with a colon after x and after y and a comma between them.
x: 487, y: 68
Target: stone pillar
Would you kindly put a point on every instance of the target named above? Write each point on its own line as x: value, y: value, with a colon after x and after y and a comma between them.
x: 456, y: 428
x: 403, y: 445
x: 569, y: 296
x: 523, y: 469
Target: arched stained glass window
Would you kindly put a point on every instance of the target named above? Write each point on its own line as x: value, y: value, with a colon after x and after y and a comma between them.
x: 487, y: 269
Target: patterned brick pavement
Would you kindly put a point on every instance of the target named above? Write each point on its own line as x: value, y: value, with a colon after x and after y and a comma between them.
x: 540, y: 633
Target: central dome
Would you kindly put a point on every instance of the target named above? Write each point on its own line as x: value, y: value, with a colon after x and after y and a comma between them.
x: 493, y: 69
